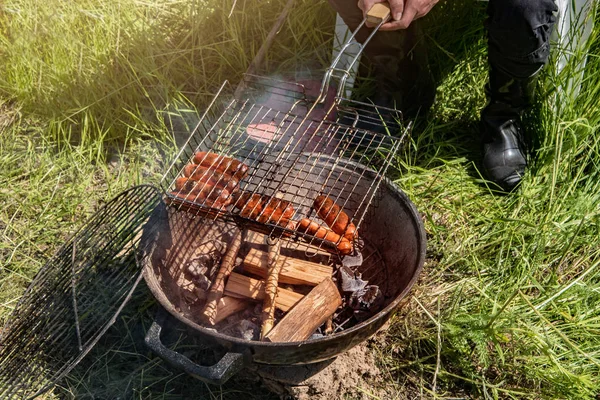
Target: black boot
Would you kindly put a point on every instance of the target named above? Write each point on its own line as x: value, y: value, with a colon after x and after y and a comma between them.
x: 504, y: 145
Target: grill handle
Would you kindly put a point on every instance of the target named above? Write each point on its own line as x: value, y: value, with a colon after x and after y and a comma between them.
x: 379, y: 13
x: 217, y: 374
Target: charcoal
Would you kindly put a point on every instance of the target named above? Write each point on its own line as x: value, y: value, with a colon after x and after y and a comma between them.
x: 199, y: 266
x: 202, y: 282
x: 242, y: 329
x: 315, y: 336
x: 349, y: 281
x: 189, y: 296
x: 248, y: 330
x: 353, y: 260
x: 366, y: 302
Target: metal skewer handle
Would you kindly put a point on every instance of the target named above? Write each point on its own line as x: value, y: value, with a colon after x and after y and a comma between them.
x: 378, y: 15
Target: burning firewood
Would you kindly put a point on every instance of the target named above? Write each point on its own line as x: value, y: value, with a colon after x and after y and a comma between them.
x: 274, y: 268
x: 218, y: 285
x: 306, y: 316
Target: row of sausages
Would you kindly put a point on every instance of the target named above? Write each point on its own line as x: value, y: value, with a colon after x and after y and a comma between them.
x: 214, y: 180
x: 340, y: 228
x: 211, y: 179
x: 264, y: 208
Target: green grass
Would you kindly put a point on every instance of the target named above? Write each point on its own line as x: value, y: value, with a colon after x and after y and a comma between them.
x: 507, y: 305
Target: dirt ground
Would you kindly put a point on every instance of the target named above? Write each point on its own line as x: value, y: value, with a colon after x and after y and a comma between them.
x: 352, y: 375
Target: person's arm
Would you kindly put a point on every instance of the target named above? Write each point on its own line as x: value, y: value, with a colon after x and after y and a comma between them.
x: 404, y: 12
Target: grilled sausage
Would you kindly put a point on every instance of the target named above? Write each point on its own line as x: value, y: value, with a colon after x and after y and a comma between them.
x: 204, y: 174
x: 332, y: 214
x: 221, y: 164
x: 288, y: 224
x: 199, y: 191
x: 350, y: 232
x: 307, y: 226
x: 269, y: 214
x: 275, y: 209
x: 190, y: 169
x: 188, y: 184
x: 207, y: 159
x: 220, y: 200
x: 231, y: 184
x: 312, y: 228
x: 197, y: 171
x: 241, y: 172
x: 345, y: 247
x: 249, y: 204
x: 184, y: 185
x: 286, y: 208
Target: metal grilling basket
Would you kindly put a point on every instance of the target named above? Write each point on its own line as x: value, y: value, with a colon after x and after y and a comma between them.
x: 294, y: 148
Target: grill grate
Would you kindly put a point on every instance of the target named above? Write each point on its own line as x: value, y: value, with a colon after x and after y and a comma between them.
x: 295, y: 150
x: 75, y: 297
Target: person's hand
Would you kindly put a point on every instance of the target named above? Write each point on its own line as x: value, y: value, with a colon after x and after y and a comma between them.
x: 404, y: 12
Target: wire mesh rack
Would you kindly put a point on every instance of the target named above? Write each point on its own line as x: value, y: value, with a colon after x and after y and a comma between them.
x: 261, y: 160
x: 75, y: 297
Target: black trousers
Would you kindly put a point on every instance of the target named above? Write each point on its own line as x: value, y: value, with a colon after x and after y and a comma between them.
x: 518, y: 34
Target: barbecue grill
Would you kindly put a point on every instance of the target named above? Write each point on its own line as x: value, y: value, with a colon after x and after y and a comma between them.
x: 295, y: 148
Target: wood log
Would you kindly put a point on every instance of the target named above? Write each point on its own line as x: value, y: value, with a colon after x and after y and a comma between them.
x: 274, y: 268
x: 239, y: 285
x: 306, y: 316
x: 294, y: 271
x: 228, y: 306
x: 216, y: 289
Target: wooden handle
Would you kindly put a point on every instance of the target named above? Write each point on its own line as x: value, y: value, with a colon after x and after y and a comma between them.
x: 378, y: 13
x: 274, y: 268
x: 218, y: 285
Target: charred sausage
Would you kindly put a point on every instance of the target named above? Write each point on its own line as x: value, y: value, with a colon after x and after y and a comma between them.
x: 312, y: 228
x: 350, y: 232
x: 221, y: 164
x: 332, y: 214
x: 275, y: 209
x: 249, y: 204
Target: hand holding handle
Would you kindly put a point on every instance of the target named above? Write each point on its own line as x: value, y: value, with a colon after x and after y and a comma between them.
x: 379, y: 13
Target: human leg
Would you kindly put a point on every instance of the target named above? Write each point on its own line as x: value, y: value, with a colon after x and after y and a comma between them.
x: 518, y: 48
